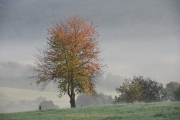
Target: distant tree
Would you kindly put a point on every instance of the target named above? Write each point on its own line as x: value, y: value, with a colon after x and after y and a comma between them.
x: 109, y: 99
x: 97, y: 100
x: 171, y: 89
x: 152, y: 91
x: 129, y: 92
x: 140, y: 89
x: 48, y: 105
x: 177, y: 94
x: 70, y: 59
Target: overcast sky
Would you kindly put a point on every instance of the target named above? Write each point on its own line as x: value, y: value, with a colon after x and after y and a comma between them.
x: 132, y: 45
x: 137, y: 38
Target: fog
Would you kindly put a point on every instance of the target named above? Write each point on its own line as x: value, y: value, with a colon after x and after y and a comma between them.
x: 16, y: 76
x: 137, y: 38
x: 21, y: 105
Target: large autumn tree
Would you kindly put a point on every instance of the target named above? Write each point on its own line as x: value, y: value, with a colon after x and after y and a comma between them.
x: 70, y: 58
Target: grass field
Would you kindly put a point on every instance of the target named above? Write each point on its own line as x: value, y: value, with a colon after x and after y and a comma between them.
x: 138, y: 111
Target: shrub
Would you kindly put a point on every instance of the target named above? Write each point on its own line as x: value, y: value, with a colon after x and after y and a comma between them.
x: 48, y: 105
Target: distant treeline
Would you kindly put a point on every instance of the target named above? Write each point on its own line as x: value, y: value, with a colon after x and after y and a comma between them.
x: 141, y: 89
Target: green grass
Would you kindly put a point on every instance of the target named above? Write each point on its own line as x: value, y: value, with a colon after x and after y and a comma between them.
x: 138, y: 111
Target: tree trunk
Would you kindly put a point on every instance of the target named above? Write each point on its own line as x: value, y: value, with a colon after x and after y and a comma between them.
x: 72, y: 101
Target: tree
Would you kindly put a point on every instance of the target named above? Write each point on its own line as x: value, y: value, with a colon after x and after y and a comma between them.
x: 141, y: 90
x: 97, y: 100
x: 70, y: 58
x: 109, y: 99
x: 171, y: 88
x: 152, y: 91
x: 129, y: 92
x: 177, y: 94
x: 48, y: 105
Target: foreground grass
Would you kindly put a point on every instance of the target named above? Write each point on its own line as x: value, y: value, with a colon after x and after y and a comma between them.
x: 143, y: 111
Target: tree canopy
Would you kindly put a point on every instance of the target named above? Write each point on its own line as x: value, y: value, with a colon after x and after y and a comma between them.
x: 140, y: 90
x: 172, y: 89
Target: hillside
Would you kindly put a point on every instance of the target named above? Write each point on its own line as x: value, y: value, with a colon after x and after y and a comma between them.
x: 12, y: 99
x: 139, y: 111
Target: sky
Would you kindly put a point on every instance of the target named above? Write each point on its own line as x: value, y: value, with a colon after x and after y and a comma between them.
x: 137, y: 38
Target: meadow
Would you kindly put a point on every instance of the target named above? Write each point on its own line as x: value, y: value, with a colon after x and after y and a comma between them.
x: 135, y: 111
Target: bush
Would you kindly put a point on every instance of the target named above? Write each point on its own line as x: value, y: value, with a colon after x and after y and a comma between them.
x: 141, y: 90
x: 48, y: 105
